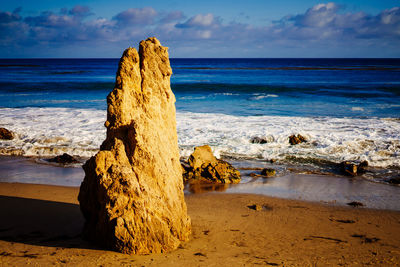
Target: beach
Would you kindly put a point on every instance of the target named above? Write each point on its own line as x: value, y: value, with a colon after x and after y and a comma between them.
x: 245, y: 110
x: 233, y: 134
x: 41, y: 225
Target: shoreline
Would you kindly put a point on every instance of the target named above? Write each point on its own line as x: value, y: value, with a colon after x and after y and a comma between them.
x: 42, y: 225
x: 335, y: 190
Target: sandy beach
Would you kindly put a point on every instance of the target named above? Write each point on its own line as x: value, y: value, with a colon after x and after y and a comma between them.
x: 41, y: 225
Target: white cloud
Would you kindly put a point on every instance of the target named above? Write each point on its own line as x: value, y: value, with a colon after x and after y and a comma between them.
x: 138, y: 16
x: 200, y: 21
x: 323, y: 25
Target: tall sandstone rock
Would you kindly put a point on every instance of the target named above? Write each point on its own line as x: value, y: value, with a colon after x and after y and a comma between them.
x: 132, y: 195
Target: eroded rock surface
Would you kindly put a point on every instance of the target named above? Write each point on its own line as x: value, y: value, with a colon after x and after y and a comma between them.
x: 132, y: 195
x: 6, y: 134
x: 205, y: 167
x: 294, y: 140
x: 352, y: 168
x: 268, y: 172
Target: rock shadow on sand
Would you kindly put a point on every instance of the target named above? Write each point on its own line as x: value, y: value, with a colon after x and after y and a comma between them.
x: 41, y: 223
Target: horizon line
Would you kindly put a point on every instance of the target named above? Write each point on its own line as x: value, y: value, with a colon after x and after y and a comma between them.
x: 10, y: 58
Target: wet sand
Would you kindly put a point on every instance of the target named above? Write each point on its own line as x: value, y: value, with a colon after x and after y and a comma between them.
x: 336, y: 190
x: 41, y: 224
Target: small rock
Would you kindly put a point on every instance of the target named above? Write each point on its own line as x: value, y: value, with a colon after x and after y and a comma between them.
x: 64, y: 159
x: 205, y: 166
x: 200, y: 254
x: 268, y: 172
x: 353, y: 169
x: 6, y: 134
x: 294, y: 140
x: 255, y: 207
x: 348, y: 168
x: 363, y: 164
x: 355, y: 204
x: 258, y: 140
x: 362, y: 167
x: 395, y: 180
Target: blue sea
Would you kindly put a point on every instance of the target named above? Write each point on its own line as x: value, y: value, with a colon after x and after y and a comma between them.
x: 348, y: 109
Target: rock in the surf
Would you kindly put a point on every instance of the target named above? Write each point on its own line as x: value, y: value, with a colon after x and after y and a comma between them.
x: 268, y: 172
x: 258, y: 140
x: 297, y: 139
x: 132, y: 194
x: 204, y: 166
x: 262, y: 139
x: 64, y: 159
x: 395, y: 180
x: 6, y: 134
x: 352, y: 168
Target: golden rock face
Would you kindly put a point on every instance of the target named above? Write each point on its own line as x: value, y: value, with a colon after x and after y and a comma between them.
x: 132, y: 195
x: 205, y: 167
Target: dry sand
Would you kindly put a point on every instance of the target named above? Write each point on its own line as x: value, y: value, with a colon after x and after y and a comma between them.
x: 40, y: 225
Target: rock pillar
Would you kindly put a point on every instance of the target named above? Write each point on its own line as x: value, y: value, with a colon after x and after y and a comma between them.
x: 132, y: 194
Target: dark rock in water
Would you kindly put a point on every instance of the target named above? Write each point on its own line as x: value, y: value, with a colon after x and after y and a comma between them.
x: 204, y: 166
x: 362, y: 167
x: 294, y: 140
x: 353, y: 169
x: 348, y: 168
x: 395, y: 180
x: 363, y: 164
x: 258, y: 140
x: 268, y: 172
x: 355, y: 204
x: 6, y: 134
x: 64, y: 159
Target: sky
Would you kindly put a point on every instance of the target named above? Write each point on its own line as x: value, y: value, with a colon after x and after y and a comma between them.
x: 199, y: 29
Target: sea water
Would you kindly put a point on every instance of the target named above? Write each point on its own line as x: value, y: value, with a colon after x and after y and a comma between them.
x: 348, y: 109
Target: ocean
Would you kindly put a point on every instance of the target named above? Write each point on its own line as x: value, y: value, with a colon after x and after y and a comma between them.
x: 347, y: 109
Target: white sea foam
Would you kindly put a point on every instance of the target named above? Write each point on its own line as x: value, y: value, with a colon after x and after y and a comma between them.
x: 224, y: 94
x: 51, y: 131
x: 262, y: 96
x: 192, y: 97
x: 63, y: 101
x: 357, y: 109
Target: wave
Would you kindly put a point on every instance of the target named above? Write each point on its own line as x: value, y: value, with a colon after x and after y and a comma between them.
x: 192, y: 97
x: 304, y: 88
x: 19, y: 66
x: 68, y: 72
x: 258, y: 97
x: 51, y: 131
x: 54, y: 87
x: 346, y: 68
x: 210, y: 88
x: 64, y: 101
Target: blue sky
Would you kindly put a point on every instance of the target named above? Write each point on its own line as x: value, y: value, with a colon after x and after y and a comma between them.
x: 252, y: 28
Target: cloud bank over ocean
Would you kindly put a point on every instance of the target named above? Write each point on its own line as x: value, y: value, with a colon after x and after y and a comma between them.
x: 324, y: 30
